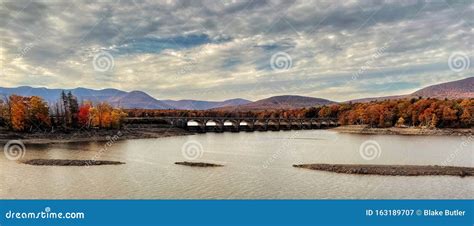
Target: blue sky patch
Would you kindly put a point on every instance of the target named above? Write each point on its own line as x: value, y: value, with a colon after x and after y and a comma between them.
x: 157, y: 45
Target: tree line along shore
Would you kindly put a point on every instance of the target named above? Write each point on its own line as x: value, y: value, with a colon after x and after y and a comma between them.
x: 426, y: 113
x: 32, y: 117
x: 32, y: 114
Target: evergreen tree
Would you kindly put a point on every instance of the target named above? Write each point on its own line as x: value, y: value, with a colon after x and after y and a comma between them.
x: 73, y: 110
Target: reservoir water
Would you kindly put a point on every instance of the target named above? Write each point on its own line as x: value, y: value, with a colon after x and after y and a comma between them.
x: 257, y: 165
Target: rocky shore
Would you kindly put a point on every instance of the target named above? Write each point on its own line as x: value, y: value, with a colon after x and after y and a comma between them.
x: 69, y: 162
x: 392, y: 170
x: 363, y: 129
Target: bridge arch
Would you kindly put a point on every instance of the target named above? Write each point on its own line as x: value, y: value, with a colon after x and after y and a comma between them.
x: 214, y: 122
x: 246, y: 123
x: 229, y: 122
x: 194, y: 122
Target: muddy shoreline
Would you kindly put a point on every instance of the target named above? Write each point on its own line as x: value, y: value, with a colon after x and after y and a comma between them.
x: 362, y: 129
x: 141, y: 132
x: 392, y: 170
x: 99, y: 135
x: 198, y: 164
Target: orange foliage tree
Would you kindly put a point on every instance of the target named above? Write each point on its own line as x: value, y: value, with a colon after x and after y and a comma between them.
x: 18, y: 112
x: 84, y: 115
x: 38, y: 112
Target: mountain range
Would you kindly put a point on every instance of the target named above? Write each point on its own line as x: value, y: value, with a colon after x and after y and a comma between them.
x: 133, y: 99
x: 280, y: 102
x: 137, y: 99
x: 463, y: 88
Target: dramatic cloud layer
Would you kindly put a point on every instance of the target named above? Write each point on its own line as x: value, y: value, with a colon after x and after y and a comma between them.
x: 226, y: 49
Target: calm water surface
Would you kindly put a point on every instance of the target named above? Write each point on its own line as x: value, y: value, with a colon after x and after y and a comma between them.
x: 258, y: 165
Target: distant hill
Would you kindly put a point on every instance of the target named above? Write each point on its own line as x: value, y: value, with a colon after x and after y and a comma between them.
x: 204, y: 105
x: 463, y: 88
x: 281, y: 102
x: 138, y: 99
x: 133, y: 99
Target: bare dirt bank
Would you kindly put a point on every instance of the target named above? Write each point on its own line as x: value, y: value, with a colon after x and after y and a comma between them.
x: 198, y: 164
x: 392, y: 170
x: 90, y: 135
x: 363, y: 129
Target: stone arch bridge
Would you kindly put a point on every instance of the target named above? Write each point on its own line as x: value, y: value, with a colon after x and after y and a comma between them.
x: 236, y: 124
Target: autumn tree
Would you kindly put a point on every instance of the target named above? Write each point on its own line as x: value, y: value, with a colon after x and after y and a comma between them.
x: 84, y: 115
x: 38, y: 112
x: 434, y: 121
x: 449, y: 116
x: 116, y: 118
x: 324, y: 112
x: 18, y: 112
x: 105, y: 116
x: 467, y: 116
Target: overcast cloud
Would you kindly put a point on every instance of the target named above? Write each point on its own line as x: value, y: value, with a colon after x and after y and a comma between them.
x: 223, y: 49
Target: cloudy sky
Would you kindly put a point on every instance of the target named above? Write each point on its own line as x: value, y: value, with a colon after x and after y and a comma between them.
x: 225, y: 49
